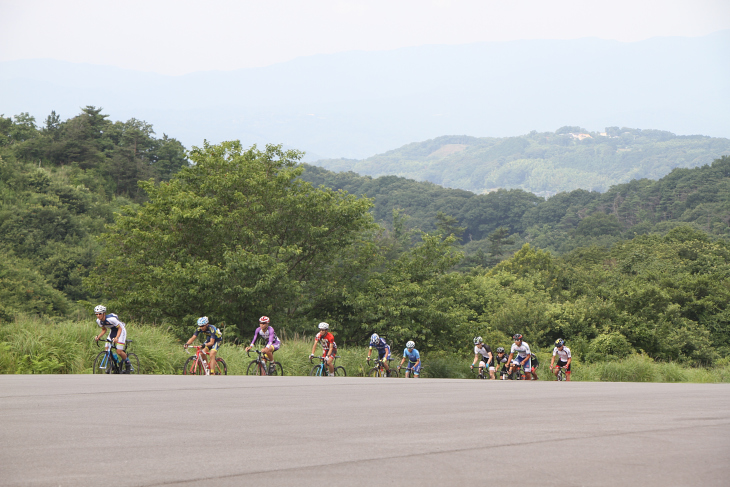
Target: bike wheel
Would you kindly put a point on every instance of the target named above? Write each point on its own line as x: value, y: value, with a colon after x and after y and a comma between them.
x: 376, y: 372
x: 340, y: 371
x: 101, y: 365
x: 192, y: 367
x: 394, y: 372
x: 561, y: 374
x: 221, y: 367
x: 316, y: 371
x: 254, y: 369
x: 134, y: 364
x: 275, y: 368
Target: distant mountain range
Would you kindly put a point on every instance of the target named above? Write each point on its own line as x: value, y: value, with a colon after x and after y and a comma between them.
x: 357, y: 104
x: 542, y: 163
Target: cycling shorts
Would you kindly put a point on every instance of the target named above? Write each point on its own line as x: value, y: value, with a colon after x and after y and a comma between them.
x: 482, y: 363
x: 275, y: 346
x: 122, y: 335
x: 215, y: 346
x: 381, y: 354
x: 415, y: 368
x: 563, y: 364
x: 518, y: 362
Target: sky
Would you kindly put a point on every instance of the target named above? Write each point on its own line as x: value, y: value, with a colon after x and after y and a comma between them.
x: 176, y: 37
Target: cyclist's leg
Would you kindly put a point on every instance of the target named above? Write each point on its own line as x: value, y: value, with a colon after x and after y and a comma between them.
x: 269, y: 353
x: 492, y: 371
x: 331, y: 364
x: 416, y: 371
x: 567, y: 372
x: 211, y: 358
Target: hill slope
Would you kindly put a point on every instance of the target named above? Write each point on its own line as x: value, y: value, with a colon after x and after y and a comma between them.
x: 542, y: 163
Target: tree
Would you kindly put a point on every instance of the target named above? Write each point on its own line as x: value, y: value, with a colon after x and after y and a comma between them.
x: 497, y: 240
x: 235, y: 236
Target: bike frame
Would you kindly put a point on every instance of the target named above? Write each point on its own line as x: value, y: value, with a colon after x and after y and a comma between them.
x: 108, y: 356
x: 199, y: 359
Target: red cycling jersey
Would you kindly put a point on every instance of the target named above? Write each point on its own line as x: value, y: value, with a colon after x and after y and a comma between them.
x: 325, y: 340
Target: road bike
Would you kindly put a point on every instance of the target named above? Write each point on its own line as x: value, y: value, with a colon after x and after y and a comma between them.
x: 259, y: 366
x: 196, y: 365
x: 380, y: 371
x: 482, y: 373
x: 561, y: 373
x: 519, y: 374
x: 409, y: 368
x: 108, y: 362
x: 321, y: 370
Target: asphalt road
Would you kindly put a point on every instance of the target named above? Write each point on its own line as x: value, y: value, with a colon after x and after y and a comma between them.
x: 96, y: 430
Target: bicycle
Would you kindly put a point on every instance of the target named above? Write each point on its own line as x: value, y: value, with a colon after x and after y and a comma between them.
x: 409, y: 368
x: 482, y: 372
x: 108, y: 362
x: 380, y: 371
x: 561, y: 372
x: 321, y: 370
x: 258, y: 366
x: 196, y: 365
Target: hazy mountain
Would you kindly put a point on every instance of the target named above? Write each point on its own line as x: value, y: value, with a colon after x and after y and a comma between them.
x: 356, y: 104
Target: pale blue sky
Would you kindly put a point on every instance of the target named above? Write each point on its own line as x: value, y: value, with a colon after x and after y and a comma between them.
x: 181, y: 36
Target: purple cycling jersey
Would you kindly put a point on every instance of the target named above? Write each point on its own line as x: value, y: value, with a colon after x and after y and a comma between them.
x: 268, y: 336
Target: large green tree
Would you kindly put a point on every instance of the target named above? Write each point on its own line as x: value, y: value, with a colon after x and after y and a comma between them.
x: 234, y: 236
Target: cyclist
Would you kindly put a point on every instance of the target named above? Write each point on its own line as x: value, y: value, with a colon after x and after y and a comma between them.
x: 501, y: 359
x: 487, y: 360
x: 329, y: 347
x: 212, y: 339
x: 535, y: 365
x: 267, y: 333
x: 414, y: 359
x: 117, y: 334
x: 383, y: 351
x: 564, y: 358
x: 523, y: 357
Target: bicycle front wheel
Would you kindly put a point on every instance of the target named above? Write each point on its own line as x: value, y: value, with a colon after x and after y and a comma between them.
x: 340, y: 371
x: 254, y: 369
x: 561, y: 374
x: 102, y: 364
x: 221, y: 367
x: 193, y: 367
x: 134, y: 364
x: 376, y: 372
x: 316, y: 371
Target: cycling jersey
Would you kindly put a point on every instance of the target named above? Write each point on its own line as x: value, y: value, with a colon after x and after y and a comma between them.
x: 563, y: 354
x: 523, y: 351
x: 382, y: 347
x: 413, y: 356
x: 533, y: 359
x: 325, y: 340
x: 110, y: 321
x: 117, y: 329
x: 269, y: 336
x: 211, y: 332
x: 485, y: 350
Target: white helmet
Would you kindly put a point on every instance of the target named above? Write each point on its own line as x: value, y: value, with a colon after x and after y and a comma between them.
x: 324, y: 326
x: 374, y: 338
x: 478, y: 340
x: 202, y: 321
x: 411, y: 344
x: 100, y: 309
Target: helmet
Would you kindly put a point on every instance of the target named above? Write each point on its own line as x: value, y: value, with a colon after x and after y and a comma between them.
x: 374, y: 338
x: 517, y: 336
x: 100, y: 309
x: 478, y: 340
x: 264, y: 319
x: 324, y: 326
x: 411, y: 344
x: 202, y: 321
x: 500, y: 349
x: 559, y: 342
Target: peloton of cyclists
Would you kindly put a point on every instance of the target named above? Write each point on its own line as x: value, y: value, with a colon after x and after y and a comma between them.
x: 329, y: 347
x: 117, y: 333
x: 564, y: 358
x: 266, y: 332
x: 379, y: 344
x: 414, y: 359
x: 487, y: 359
x: 212, y: 339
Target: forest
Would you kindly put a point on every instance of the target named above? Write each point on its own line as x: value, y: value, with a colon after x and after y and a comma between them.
x: 100, y: 211
x: 544, y: 163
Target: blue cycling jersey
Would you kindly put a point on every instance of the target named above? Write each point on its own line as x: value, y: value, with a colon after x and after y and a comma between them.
x: 212, y: 331
x: 413, y: 356
x: 380, y: 346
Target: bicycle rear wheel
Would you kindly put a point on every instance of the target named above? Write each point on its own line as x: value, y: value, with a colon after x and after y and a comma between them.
x: 340, y: 371
x: 134, y: 364
x: 254, y: 369
x: 316, y: 371
x: 275, y: 368
x: 193, y: 367
x: 221, y: 367
x: 101, y: 365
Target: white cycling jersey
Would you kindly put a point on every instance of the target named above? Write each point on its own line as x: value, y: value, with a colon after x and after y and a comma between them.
x: 523, y: 351
x: 563, y: 355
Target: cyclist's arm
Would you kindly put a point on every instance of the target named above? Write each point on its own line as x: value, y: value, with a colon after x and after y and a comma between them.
x: 490, y: 359
x: 401, y: 361
x: 314, y: 347
x: 552, y: 361
x: 567, y: 364
x: 370, y: 351
x: 476, y: 360
x: 329, y: 350
x: 103, y: 330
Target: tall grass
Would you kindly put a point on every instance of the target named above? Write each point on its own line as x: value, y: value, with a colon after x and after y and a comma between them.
x: 32, y: 345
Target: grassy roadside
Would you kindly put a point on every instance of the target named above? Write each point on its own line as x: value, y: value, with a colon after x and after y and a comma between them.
x: 37, y: 346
